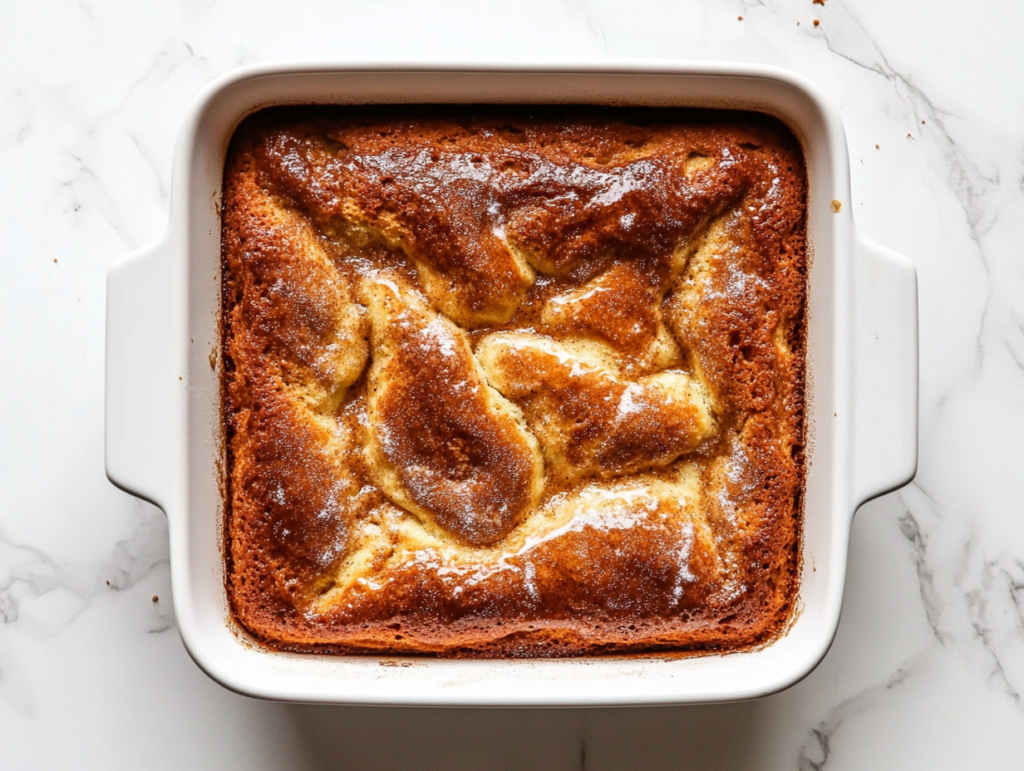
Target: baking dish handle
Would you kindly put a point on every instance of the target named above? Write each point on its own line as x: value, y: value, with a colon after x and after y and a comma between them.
x: 139, y: 369
x: 885, y: 371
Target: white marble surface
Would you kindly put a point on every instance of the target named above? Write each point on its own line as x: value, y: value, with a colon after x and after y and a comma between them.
x: 928, y: 668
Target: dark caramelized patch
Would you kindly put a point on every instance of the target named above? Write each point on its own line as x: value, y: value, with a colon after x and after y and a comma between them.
x: 459, y: 457
x: 621, y: 307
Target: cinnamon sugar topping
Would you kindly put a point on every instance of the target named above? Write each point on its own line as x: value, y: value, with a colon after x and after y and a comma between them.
x: 513, y: 381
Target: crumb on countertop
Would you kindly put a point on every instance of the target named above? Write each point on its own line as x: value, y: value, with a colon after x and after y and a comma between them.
x: 816, y: 22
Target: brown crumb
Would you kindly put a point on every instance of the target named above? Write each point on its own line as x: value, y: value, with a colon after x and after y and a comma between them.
x: 909, y: 135
x: 739, y: 18
x: 877, y: 147
x: 155, y: 598
x: 108, y: 583
x: 837, y: 206
x: 54, y: 260
x: 816, y: 22
x: 819, y: 2
x: 922, y: 123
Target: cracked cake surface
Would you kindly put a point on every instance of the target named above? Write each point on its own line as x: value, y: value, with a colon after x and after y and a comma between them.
x: 513, y: 381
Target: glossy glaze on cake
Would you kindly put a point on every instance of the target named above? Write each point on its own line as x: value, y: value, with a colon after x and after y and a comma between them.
x: 513, y: 381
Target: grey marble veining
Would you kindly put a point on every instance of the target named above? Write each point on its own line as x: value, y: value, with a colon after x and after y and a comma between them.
x: 927, y: 670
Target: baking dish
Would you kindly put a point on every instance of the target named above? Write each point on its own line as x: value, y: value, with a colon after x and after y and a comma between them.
x: 163, y: 438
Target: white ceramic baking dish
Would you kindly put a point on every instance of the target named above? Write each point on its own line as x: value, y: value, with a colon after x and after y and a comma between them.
x: 162, y: 400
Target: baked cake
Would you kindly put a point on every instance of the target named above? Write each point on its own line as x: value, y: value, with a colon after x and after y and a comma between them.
x: 513, y: 381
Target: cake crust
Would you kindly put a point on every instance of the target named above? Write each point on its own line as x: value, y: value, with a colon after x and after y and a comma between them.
x: 513, y: 382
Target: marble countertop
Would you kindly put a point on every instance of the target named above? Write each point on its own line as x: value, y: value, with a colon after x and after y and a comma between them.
x: 927, y: 670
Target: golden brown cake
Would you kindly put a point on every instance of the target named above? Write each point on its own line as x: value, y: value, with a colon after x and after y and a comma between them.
x: 513, y: 381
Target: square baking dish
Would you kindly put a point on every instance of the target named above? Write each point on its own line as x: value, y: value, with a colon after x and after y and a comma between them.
x: 163, y: 424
